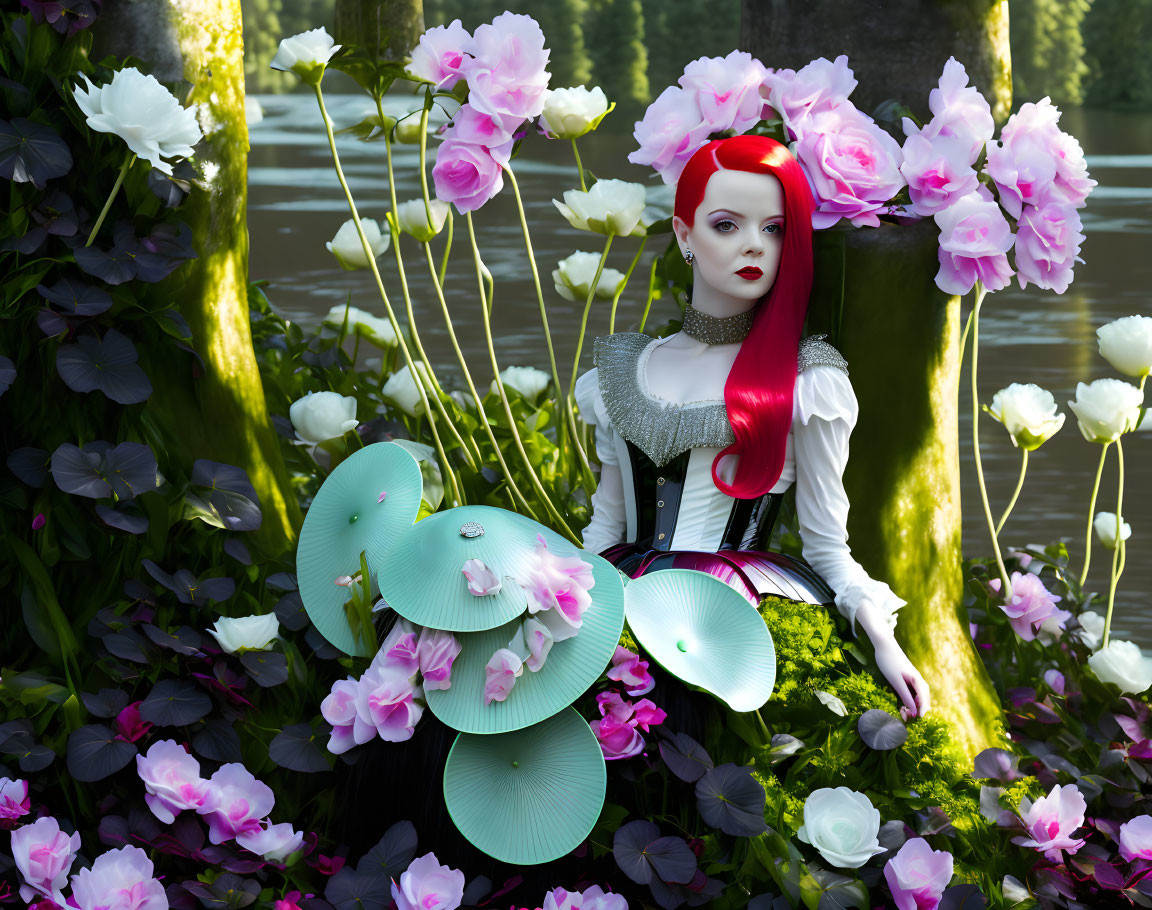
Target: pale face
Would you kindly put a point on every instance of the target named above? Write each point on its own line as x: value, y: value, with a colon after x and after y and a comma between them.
x: 736, y: 239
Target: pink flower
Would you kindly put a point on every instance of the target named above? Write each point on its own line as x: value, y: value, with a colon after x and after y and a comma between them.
x: 130, y: 726
x: 235, y: 803
x: 386, y: 702
x: 727, y: 90
x: 852, y: 165
x: 339, y: 709
x: 646, y: 715
x: 629, y: 669
x: 557, y: 588
x: 479, y: 128
x: 797, y: 96
x: 938, y: 173
x: 610, y: 704
x: 593, y: 898
x: 439, y: 55
x: 44, y: 854
x: 290, y: 901
x: 172, y: 781
x: 398, y: 651
x: 275, y: 842
x: 617, y: 740
x: 467, y: 174
x: 1048, y: 239
x: 14, y: 801
x: 1052, y: 820
x: 119, y: 880
x: 507, y: 76
x: 426, y: 885
x: 974, y: 241
x: 1136, y: 838
x: 482, y: 581
x: 960, y: 113
x: 671, y: 132
x: 1072, y: 183
x: 436, y: 652
x: 1030, y: 604
x: 39, y: 521
x: 500, y: 675
x: 532, y: 643
x: 918, y: 875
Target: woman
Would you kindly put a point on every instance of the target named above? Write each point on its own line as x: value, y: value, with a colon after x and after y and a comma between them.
x: 699, y: 434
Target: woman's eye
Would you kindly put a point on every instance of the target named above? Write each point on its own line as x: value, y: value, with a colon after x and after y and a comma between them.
x: 773, y: 228
x: 725, y: 226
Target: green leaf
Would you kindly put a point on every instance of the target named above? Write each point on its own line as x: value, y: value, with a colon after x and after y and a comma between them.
x: 45, y: 594
x: 371, y: 128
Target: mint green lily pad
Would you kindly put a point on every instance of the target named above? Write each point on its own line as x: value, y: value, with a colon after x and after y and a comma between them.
x: 572, y: 665
x: 527, y: 797
x: 348, y: 516
x: 705, y: 633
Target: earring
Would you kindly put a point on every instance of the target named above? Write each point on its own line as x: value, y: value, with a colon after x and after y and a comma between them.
x: 689, y: 257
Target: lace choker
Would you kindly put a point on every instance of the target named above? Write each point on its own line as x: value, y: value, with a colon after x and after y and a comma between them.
x: 717, y: 329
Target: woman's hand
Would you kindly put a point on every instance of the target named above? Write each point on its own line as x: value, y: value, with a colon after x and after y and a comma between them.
x: 903, y: 677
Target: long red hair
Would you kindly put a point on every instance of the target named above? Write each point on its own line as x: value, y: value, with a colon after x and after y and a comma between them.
x: 760, y: 386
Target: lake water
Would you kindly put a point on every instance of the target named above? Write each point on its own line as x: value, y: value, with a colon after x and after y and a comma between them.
x: 295, y: 205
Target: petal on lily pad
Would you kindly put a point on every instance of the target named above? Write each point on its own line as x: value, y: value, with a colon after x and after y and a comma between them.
x: 31, y: 152
x: 108, y: 364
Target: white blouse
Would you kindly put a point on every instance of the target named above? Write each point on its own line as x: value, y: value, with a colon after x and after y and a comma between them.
x: 824, y: 412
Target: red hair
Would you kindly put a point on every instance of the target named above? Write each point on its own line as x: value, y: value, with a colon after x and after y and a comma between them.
x: 760, y: 386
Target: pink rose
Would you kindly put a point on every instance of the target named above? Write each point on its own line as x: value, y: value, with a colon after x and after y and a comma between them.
x: 852, y: 165
x: 14, y: 801
x: 593, y: 898
x: 797, y: 96
x: 960, y: 113
x: 172, y: 781
x: 426, y: 885
x: 610, y: 704
x: 727, y: 90
x: 467, y: 174
x: 339, y: 709
x: 629, y: 669
x: 1072, y: 183
x: 436, y: 652
x: 398, y: 651
x: 557, y: 588
x: 617, y: 740
x: 507, y: 76
x: 235, y: 803
x: 479, y: 128
x: 500, y: 675
x: 482, y: 581
x: 974, y: 241
x: 387, y: 703
x: 645, y: 714
x: 44, y: 854
x: 918, y: 875
x: 120, y: 879
x: 670, y: 133
x: 1136, y: 838
x: 1052, y: 820
x: 1030, y: 605
x: 440, y: 54
x: 129, y: 725
x: 1048, y: 239
x: 938, y: 173
x: 275, y: 842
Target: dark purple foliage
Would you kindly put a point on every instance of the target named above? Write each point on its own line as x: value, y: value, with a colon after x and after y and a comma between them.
x: 217, y: 741
x: 229, y: 497
x: 31, y: 152
x: 235, y: 548
x: 291, y: 613
x: 184, y: 640
x: 74, y: 297
x: 997, y: 764
x: 395, y: 850
x: 685, y: 757
x: 65, y: 16
x: 126, y: 518
x: 352, y: 890
x: 98, y: 470
x: 95, y: 752
x: 295, y: 748
x: 267, y: 668
x: 731, y: 799
x: 106, y: 702
x: 228, y: 890
x: 175, y: 703
x: 7, y: 374
x: 188, y: 588
x: 107, y: 364
x: 643, y: 855
x: 29, y: 465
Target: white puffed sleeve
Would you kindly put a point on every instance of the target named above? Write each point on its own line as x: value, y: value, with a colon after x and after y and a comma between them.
x: 824, y: 413
x: 609, y: 518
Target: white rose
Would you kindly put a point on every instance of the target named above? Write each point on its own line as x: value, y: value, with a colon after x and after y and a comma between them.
x: 1106, y: 409
x: 400, y: 389
x: 348, y: 249
x: 573, y: 278
x: 1028, y: 413
x: 1091, y: 630
x: 571, y: 112
x: 610, y: 207
x: 528, y: 381
x: 306, y: 54
x: 323, y: 415
x: 371, y: 328
x: 143, y: 113
x: 842, y: 825
x: 1127, y: 345
x: 412, y: 218
x: 247, y: 633
x: 1122, y: 663
x: 1105, y: 526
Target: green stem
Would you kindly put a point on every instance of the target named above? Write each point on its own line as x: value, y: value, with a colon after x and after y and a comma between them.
x: 964, y: 334
x: 1016, y: 492
x: 423, y: 155
x: 447, y: 467
x: 624, y: 284
x: 579, y: 167
x: 1119, y: 543
x: 1004, y: 580
x: 651, y: 294
x: 447, y: 249
x: 1091, y: 514
x: 584, y: 318
x: 108, y: 202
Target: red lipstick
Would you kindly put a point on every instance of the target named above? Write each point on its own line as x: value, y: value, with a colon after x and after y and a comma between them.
x: 750, y: 273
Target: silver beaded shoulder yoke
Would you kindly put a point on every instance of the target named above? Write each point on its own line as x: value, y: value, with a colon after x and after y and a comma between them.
x: 661, y: 429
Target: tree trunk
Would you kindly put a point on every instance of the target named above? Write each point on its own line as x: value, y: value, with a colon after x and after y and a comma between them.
x: 386, y: 29
x: 223, y: 416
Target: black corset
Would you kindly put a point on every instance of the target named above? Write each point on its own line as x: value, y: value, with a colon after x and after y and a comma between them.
x: 658, y: 490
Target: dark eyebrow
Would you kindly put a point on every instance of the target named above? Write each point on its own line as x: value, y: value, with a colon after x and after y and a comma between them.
x: 741, y: 215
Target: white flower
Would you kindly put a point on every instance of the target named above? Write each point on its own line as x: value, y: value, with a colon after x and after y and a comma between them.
x: 371, y: 328
x: 573, y: 278
x: 1122, y: 663
x: 323, y: 415
x: 306, y: 54
x: 842, y: 825
x: 248, y: 633
x: 400, y: 389
x: 610, y: 207
x: 528, y: 381
x: 348, y: 249
x: 1091, y: 630
x: 1028, y: 413
x: 1106, y: 409
x: 275, y: 843
x: 143, y: 113
x: 1127, y: 344
x: 412, y: 218
x: 1105, y: 525
x: 571, y: 112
